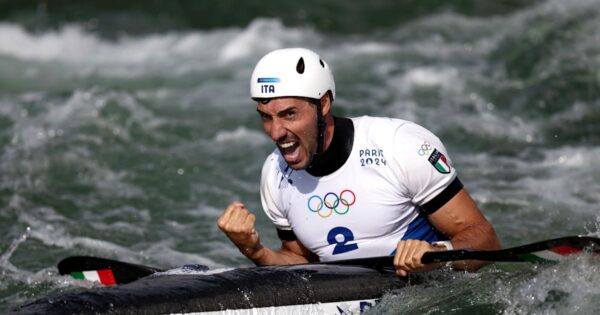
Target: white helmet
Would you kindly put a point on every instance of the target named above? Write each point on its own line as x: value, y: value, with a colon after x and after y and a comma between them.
x: 291, y: 72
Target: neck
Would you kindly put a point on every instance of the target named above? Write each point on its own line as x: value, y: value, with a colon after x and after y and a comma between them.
x: 339, y: 137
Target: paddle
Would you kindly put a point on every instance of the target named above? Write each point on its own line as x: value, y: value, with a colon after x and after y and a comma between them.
x: 83, y: 267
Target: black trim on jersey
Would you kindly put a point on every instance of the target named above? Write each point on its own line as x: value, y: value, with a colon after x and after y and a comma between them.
x: 338, y: 151
x: 440, y: 200
x: 286, y: 235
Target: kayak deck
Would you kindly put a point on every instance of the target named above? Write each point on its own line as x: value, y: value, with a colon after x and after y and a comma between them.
x: 237, y: 289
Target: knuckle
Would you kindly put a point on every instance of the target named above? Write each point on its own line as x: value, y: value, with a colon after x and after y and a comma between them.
x: 415, y: 260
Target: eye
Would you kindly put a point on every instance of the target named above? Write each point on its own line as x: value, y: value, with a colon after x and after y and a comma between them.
x: 290, y: 114
x: 263, y: 116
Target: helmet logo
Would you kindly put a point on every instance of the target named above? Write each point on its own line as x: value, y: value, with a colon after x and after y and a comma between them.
x: 300, y: 66
x: 267, y: 88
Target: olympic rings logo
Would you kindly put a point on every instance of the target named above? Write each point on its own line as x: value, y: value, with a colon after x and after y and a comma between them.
x: 338, y: 204
x: 425, y: 148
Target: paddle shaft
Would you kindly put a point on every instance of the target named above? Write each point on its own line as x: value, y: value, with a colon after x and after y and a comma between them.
x: 563, y: 245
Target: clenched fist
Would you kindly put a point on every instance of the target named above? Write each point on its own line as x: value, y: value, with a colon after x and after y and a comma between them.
x: 238, y: 224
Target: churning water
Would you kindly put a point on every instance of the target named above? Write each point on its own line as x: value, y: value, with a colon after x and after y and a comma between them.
x: 128, y: 144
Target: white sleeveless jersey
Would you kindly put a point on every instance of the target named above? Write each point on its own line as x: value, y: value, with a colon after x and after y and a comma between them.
x: 364, y: 208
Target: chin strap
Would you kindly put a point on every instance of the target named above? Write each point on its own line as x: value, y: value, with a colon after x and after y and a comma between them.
x: 321, y: 124
x: 320, y: 129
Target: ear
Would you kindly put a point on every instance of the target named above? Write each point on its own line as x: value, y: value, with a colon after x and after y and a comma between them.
x: 325, y: 104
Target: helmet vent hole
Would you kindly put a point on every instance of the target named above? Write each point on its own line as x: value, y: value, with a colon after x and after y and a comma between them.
x: 300, y: 66
x: 321, y: 62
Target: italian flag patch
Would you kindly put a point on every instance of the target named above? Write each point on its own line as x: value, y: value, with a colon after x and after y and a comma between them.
x: 104, y: 276
x: 438, y: 160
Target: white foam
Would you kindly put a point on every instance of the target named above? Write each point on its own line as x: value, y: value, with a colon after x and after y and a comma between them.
x: 131, y: 228
x: 21, y: 44
x: 4, y: 258
x: 47, y: 226
x: 166, y: 54
x: 107, y: 182
x: 263, y: 35
x: 242, y: 134
x: 431, y: 77
x: 571, y: 287
x: 366, y: 48
x: 204, y: 210
x: 72, y: 43
x: 61, y: 121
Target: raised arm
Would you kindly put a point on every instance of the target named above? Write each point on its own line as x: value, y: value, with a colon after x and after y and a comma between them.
x: 238, y: 224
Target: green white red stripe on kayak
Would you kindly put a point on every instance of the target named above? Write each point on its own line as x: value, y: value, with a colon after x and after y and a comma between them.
x: 104, y: 276
x: 554, y: 254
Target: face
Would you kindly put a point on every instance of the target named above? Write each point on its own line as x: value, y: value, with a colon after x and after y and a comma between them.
x: 292, y: 124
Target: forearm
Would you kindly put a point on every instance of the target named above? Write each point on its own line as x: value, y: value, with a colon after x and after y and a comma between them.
x: 262, y: 255
x: 479, y: 236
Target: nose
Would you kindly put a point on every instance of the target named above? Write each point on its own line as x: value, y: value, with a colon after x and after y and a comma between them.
x: 277, y: 130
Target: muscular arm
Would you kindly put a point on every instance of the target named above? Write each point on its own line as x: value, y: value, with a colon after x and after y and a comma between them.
x: 238, y: 224
x: 462, y: 221
x: 291, y: 252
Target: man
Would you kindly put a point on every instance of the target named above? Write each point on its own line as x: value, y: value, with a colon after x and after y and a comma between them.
x: 339, y: 188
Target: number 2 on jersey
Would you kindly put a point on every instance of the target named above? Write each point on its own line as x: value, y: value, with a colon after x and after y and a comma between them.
x: 340, y: 236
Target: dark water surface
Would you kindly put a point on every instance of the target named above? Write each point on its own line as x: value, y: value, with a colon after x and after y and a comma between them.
x: 126, y: 128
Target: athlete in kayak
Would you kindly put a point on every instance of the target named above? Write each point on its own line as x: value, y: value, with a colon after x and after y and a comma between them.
x: 340, y: 188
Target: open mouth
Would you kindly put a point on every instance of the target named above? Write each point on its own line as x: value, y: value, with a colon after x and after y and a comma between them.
x: 290, y: 150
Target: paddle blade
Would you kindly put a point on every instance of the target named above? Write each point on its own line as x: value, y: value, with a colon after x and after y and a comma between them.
x: 544, y: 251
x: 560, y: 248
x: 105, y: 271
